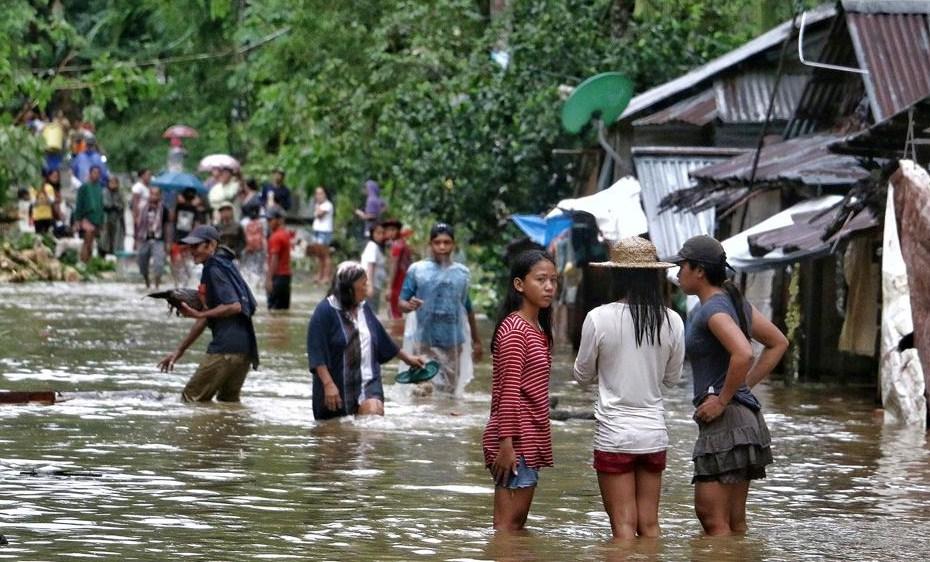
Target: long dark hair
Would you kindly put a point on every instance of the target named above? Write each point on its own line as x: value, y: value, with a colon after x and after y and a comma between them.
x: 519, y: 269
x: 716, y: 275
x: 641, y: 287
x: 347, y: 273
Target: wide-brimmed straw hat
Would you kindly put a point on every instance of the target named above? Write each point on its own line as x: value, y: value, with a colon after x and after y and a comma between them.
x: 634, y: 253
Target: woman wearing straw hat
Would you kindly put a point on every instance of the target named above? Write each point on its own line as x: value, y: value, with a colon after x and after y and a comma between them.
x: 733, y: 445
x: 631, y: 348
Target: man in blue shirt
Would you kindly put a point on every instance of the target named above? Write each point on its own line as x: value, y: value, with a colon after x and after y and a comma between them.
x: 228, y: 309
x: 88, y: 159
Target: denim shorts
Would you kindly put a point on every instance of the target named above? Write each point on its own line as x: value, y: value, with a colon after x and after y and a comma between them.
x: 526, y: 477
x: 322, y: 237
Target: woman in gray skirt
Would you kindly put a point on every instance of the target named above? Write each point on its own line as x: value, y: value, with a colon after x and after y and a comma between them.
x: 733, y: 445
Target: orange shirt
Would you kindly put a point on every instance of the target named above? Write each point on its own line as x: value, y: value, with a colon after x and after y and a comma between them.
x: 280, y: 243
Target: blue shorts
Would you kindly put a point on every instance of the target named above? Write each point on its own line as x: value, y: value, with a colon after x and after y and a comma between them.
x: 526, y: 477
x: 322, y: 238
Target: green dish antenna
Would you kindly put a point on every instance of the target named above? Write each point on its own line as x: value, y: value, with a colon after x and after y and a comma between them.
x: 602, y: 97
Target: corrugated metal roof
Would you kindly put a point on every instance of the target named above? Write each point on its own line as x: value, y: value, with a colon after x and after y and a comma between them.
x: 803, y: 160
x: 663, y: 171
x: 887, y: 6
x: 890, y: 39
x: 888, y: 138
x: 829, y: 94
x: 895, y: 49
x: 698, y: 110
x: 768, y: 40
x: 744, y: 97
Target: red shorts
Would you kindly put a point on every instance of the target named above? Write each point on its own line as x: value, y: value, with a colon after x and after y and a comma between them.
x: 621, y: 463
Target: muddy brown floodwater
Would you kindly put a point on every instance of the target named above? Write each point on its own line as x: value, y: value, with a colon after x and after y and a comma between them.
x: 262, y: 480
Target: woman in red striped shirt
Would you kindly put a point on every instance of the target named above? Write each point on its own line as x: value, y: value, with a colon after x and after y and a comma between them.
x: 517, y: 441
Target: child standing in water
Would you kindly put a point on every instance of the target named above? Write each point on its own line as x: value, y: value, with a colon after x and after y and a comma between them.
x: 517, y: 441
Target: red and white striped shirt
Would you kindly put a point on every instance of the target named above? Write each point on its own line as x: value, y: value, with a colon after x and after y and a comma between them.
x: 520, y: 393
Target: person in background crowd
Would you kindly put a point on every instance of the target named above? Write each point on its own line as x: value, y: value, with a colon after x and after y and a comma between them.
x: 88, y: 159
x: 189, y: 212
x: 249, y: 195
x: 733, y: 445
x: 88, y: 211
x: 631, y: 348
x: 374, y: 206
x: 224, y: 191
x: 346, y: 346
x: 254, y: 255
x: 114, y: 226
x: 140, y: 196
x: 24, y: 210
x: 374, y: 263
x: 229, y: 309
x: 276, y: 194
x: 278, y: 275
x: 53, y: 136
x: 517, y: 441
x: 44, y: 201
x: 435, y: 290
x: 323, y: 227
x: 214, y: 178
x: 398, y: 262
x: 232, y: 235
x: 150, y: 235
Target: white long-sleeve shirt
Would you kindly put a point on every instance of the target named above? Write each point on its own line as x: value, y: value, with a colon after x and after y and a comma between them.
x: 629, y: 410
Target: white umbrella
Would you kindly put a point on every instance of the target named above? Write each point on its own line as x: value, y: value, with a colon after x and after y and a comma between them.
x: 212, y: 161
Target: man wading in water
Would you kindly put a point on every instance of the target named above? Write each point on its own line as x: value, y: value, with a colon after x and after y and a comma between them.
x: 229, y: 307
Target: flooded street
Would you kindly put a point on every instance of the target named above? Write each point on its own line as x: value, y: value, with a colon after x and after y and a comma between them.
x: 262, y: 480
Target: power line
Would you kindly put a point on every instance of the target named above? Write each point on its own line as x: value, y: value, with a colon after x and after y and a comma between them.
x: 170, y: 60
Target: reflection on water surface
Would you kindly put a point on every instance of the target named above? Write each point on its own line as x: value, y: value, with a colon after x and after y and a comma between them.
x: 262, y: 480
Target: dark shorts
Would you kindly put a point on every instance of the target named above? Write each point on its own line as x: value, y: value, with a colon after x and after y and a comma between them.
x: 280, y: 296
x: 622, y: 463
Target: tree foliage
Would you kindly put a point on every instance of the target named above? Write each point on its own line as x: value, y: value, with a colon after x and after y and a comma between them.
x: 402, y: 91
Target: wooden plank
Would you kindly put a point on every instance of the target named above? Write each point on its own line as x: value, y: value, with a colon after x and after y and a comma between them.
x: 10, y: 397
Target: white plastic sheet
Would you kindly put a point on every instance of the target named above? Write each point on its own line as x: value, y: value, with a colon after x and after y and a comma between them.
x: 618, y: 209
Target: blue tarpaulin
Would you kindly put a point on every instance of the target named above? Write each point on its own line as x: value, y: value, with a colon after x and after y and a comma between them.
x: 542, y: 230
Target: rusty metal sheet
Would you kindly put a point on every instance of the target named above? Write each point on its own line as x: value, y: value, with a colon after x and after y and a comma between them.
x: 803, y: 160
x: 698, y: 110
x: 895, y: 49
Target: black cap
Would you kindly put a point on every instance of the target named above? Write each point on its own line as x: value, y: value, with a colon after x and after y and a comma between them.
x: 202, y: 233
x: 441, y: 228
x: 274, y: 213
x: 701, y: 249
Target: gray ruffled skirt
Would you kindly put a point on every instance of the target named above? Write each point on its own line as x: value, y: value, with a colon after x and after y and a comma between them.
x: 735, y: 447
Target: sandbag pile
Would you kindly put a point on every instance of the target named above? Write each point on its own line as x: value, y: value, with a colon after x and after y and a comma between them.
x: 33, y: 264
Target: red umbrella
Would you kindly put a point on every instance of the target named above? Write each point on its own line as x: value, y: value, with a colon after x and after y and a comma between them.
x: 179, y: 131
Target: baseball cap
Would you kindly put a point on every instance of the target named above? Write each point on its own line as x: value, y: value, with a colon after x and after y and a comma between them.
x: 701, y: 249
x: 202, y: 233
x: 226, y: 205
